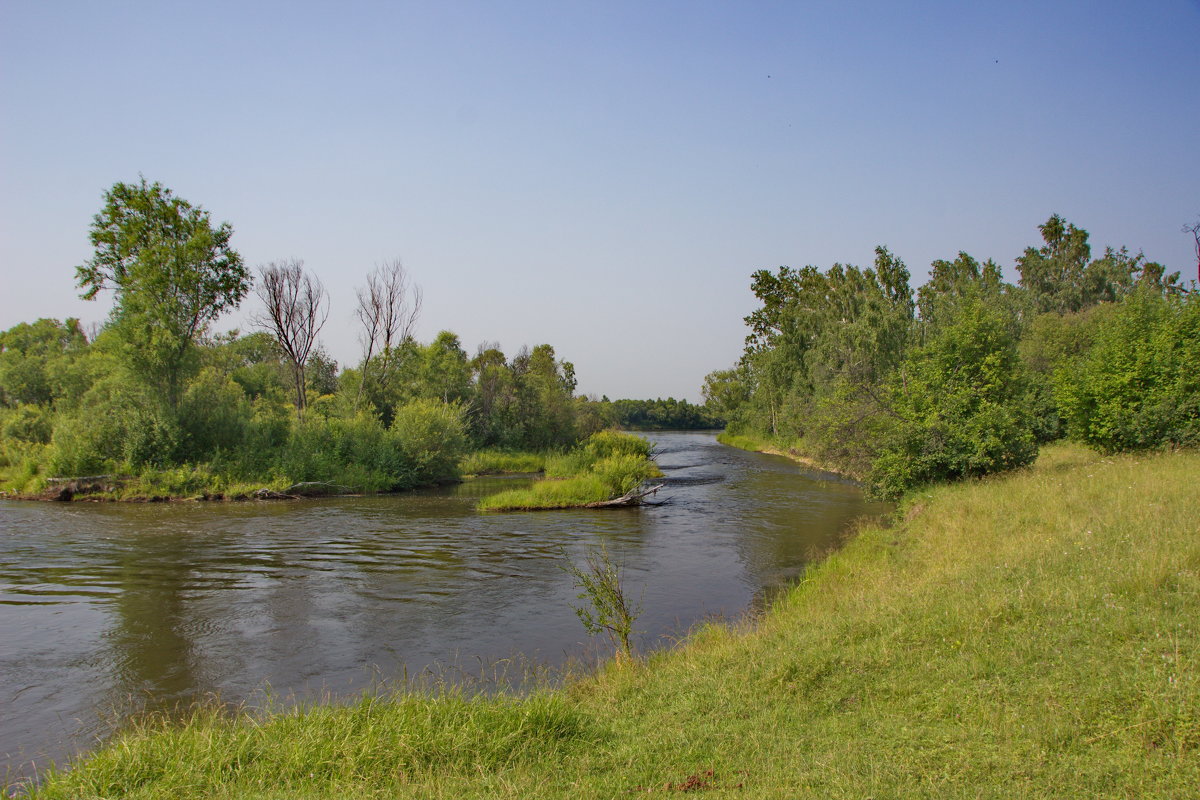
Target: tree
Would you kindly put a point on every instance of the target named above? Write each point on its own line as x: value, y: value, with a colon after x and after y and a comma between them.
x: 1061, y: 277
x: 172, y: 274
x: 388, y: 309
x: 958, y: 405
x: 1053, y: 274
x: 445, y: 371
x: 1194, y: 230
x: 30, y: 355
x: 294, y: 310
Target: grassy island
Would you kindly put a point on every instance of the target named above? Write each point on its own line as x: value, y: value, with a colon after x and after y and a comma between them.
x: 1029, y: 635
x: 608, y: 465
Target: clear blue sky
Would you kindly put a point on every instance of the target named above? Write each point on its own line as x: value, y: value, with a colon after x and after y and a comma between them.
x: 600, y: 176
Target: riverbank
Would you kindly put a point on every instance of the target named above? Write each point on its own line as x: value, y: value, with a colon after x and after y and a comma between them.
x: 754, y: 444
x: 203, y: 484
x: 1032, y: 635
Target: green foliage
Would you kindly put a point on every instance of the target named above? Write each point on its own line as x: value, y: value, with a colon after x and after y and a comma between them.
x: 1139, y: 384
x: 28, y: 423
x: 657, y: 414
x: 433, y: 438
x: 608, y: 610
x: 172, y: 274
x: 119, y: 427
x: 959, y: 409
x: 1061, y: 277
x: 607, y: 465
x: 725, y: 391
x: 837, y: 367
x: 494, y: 462
x: 213, y: 415
x: 32, y: 357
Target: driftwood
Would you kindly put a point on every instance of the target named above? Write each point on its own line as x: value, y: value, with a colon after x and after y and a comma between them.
x: 65, y: 489
x: 630, y: 498
x: 271, y: 494
x: 307, y: 484
x: 86, y: 479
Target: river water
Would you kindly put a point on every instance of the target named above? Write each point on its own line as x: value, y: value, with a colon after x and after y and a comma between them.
x: 109, y: 608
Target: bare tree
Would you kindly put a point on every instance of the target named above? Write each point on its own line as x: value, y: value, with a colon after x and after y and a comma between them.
x: 294, y: 311
x: 1194, y: 230
x: 388, y: 308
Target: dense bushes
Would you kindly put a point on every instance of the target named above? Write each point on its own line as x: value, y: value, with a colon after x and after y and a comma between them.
x: 843, y: 366
x: 960, y: 403
x: 1138, y: 386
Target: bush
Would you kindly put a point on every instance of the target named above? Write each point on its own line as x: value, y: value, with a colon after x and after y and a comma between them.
x: 118, y: 426
x: 213, y: 415
x: 433, y: 437
x: 1139, y: 386
x: 961, y: 407
x: 28, y: 423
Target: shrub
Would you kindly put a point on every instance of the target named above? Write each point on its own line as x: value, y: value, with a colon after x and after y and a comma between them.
x: 1139, y: 386
x: 118, y: 426
x: 960, y: 407
x: 433, y: 437
x: 28, y: 423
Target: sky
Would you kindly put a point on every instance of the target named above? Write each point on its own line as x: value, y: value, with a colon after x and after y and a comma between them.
x: 605, y: 176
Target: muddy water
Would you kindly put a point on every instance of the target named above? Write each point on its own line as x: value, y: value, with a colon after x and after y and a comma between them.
x: 107, y: 608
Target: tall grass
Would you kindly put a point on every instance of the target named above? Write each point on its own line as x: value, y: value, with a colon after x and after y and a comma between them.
x: 495, y: 462
x: 605, y: 466
x: 1032, y: 635
x: 378, y: 742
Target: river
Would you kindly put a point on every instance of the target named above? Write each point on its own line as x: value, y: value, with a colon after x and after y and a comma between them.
x: 108, y: 608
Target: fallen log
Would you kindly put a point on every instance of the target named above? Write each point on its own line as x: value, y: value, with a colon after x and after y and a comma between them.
x: 271, y: 494
x: 87, y: 479
x: 305, y: 484
x: 630, y: 498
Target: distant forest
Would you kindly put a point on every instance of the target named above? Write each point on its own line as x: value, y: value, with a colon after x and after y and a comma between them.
x: 658, y: 414
x: 969, y: 374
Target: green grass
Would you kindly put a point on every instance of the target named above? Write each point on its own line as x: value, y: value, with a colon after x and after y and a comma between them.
x: 743, y: 442
x: 1031, y: 635
x: 605, y: 466
x: 495, y: 462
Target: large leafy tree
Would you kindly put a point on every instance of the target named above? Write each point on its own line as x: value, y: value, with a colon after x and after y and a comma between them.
x: 1061, y: 276
x: 172, y: 274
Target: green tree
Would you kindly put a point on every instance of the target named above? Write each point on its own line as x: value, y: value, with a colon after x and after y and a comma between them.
x: 1139, y: 385
x: 30, y: 357
x: 172, y: 274
x: 1060, y: 276
x: 445, y: 372
x: 958, y: 405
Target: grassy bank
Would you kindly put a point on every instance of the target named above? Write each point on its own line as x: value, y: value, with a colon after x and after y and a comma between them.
x: 210, y: 482
x: 755, y: 444
x: 605, y: 466
x: 498, y: 462
x: 1034, y: 635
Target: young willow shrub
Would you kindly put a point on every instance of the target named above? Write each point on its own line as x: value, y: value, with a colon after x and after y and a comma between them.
x: 433, y: 437
x: 961, y: 407
x: 119, y: 426
x: 1139, y: 386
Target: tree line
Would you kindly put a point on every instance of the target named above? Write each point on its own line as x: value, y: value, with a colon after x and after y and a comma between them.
x: 156, y: 389
x: 969, y: 374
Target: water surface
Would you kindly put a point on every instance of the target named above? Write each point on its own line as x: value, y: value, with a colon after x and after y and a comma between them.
x: 106, y: 608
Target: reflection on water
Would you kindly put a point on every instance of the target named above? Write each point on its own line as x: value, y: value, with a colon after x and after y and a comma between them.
x: 108, y: 608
